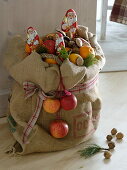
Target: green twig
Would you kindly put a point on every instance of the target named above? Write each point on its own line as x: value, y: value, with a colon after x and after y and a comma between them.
x: 91, y: 150
x: 90, y: 60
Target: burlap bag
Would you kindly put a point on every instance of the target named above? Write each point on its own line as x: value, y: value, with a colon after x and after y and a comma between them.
x: 82, y: 121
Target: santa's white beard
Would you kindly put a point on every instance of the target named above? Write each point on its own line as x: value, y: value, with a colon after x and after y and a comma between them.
x: 32, y: 36
x: 71, y: 21
x: 58, y: 41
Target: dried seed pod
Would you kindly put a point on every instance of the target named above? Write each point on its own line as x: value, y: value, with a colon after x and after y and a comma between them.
x: 111, y: 145
x: 79, y: 61
x: 107, y: 155
x: 79, y: 42
x: 113, y: 131
x: 76, y: 59
x: 119, y: 135
x: 84, y: 42
x: 109, y: 137
x: 82, y: 31
x: 71, y: 44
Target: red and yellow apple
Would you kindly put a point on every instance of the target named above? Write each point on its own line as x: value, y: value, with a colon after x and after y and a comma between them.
x: 59, y: 128
x: 51, y: 105
x: 68, y: 102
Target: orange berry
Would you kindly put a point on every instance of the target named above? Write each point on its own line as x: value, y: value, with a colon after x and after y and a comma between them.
x: 50, y: 61
x: 51, y: 105
x: 85, y: 51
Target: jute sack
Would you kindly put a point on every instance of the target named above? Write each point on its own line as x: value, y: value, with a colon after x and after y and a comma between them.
x: 81, y: 81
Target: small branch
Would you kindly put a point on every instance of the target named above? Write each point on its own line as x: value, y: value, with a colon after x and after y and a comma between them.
x: 105, y: 149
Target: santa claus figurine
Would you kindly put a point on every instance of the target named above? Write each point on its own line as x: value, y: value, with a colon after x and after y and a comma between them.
x: 59, y: 42
x: 69, y: 23
x: 32, y: 40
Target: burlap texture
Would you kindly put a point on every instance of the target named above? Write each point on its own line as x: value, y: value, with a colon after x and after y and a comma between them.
x: 82, y: 121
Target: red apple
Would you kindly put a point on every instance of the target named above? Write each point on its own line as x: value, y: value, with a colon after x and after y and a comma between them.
x: 50, y: 45
x: 68, y: 102
x: 59, y: 128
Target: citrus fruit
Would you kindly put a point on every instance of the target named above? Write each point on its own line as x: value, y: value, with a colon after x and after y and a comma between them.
x: 27, y: 49
x: 86, y: 51
x: 50, y: 61
x: 73, y: 57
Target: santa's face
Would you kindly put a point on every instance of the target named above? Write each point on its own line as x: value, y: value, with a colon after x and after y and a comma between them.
x: 31, y: 33
x: 59, y: 41
x: 71, y: 17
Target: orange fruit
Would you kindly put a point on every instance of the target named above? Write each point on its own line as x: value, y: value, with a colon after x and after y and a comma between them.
x: 85, y: 51
x: 27, y: 49
x: 50, y: 61
x: 51, y: 105
x: 73, y: 57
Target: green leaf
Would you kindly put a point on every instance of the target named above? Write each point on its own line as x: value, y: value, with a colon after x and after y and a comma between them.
x: 90, y: 60
x: 63, y: 53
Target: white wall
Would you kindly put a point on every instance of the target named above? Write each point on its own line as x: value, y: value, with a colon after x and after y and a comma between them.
x: 45, y: 16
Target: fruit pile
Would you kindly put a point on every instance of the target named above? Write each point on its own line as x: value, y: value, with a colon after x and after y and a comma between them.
x: 70, y: 42
x: 59, y: 128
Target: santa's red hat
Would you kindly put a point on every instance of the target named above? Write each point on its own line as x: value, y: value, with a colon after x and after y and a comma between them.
x: 30, y: 28
x: 70, y: 10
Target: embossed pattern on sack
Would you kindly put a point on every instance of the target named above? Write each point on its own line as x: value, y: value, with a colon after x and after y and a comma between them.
x: 82, y: 125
